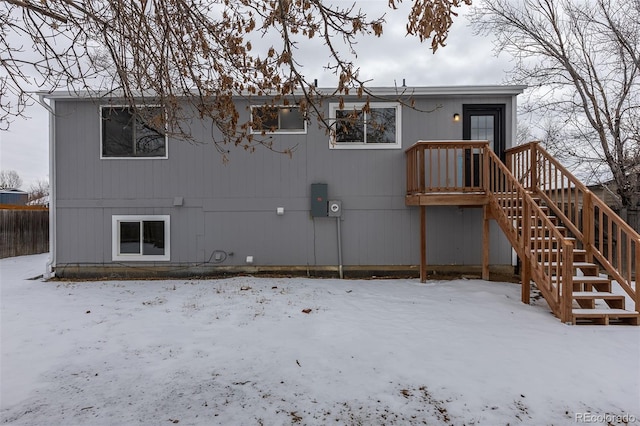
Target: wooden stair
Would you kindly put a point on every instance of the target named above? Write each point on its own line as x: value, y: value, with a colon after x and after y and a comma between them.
x: 593, y: 301
x: 579, y: 253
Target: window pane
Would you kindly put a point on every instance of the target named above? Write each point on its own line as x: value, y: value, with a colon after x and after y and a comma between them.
x: 349, y: 126
x: 265, y: 118
x: 117, y: 133
x: 149, y: 143
x: 153, y: 237
x: 482, y: 128
x: 130, y: 237
x: 291, y: 119
x: 124, y: 136
x: 381, y: 125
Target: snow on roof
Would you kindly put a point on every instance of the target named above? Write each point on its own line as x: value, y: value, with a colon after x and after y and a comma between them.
x: 12, y: 191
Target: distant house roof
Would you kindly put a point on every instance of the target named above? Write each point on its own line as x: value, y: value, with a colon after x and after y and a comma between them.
x: 13, y: 191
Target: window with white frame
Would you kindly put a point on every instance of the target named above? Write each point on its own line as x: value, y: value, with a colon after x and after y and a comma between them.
x: 358, y: 125
x: 277, y: 119
x: 129, y: 134
x: 140, y: 238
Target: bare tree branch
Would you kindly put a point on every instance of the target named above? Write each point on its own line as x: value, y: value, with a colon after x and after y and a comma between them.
x: 10, y: 179
x: 582, y: 61
x: 38, y: 9
x: 194, y: 57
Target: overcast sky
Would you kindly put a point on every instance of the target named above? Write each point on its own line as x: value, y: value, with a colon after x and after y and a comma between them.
x: 466, y: 60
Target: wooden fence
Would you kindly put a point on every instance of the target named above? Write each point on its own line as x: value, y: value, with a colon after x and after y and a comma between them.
x: 23, y: 230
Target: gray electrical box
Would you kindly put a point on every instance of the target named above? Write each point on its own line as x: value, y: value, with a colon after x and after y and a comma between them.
x: 319, y: 199
x: 335, y: 208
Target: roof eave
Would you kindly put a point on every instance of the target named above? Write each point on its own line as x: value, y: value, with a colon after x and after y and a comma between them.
x: 486, y: 90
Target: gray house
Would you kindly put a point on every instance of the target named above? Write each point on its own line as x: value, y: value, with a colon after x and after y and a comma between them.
x: 127, y: 201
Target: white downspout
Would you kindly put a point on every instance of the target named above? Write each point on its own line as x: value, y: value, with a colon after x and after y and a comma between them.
x: 340, y: 271
x: 51, y: 262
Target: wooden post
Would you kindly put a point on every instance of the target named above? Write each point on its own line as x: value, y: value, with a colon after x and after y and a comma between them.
x: 534, y: 166
x: 567, y: 283
x: 588, y: 224
x: 485, y: 242
x: 423, y: 244
x: 636, y: 272
x: 526, y: 280
x: 525, y: 249
x: 486, y: 185
x: 421, y: 170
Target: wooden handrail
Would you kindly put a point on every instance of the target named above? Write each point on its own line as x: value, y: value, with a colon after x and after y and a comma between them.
x: 597, y: 228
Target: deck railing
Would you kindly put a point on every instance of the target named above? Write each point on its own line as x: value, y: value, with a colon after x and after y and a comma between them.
x: 446, y: 166
x: 597, y: 229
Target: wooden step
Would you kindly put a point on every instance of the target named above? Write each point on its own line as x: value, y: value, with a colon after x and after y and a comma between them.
x: 562, y: 229
x: 548, y: 238
x: 589, y: 283
x: 507, y: 197
x: 578, y: 254
x: 590, y: 279
x: 520, y: 207
x: 605, y: 316
x: 547, y: 242
x: 532, y: 219
x: 575, y: 251
x: 576, y: 264
x: 587, y: 268
x: 586, y: 299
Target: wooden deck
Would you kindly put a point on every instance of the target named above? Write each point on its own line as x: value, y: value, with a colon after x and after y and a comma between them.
x: 572, y: 255
x: 448, y: 199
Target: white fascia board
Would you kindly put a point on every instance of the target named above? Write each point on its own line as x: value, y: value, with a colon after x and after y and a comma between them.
x: 443, y: 90
x: 487, y: 90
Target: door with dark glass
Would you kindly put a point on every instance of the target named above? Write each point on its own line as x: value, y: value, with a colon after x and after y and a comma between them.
x: 482, y: 122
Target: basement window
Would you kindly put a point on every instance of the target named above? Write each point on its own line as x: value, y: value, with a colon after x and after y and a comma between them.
x: 278, y: 119
x: 129, y: 134
x: 361, y: 126
x: 140, y: 238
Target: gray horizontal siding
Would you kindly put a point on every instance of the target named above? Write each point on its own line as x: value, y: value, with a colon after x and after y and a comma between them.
x: 232, y: 207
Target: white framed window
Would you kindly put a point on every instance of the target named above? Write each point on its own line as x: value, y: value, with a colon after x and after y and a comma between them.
x: 140, y: 238
x: 128, y: 134
x: 285, y: 119
x: 358, y: 126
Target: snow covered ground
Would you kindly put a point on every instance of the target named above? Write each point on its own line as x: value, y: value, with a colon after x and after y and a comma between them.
x: 279, y: 351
